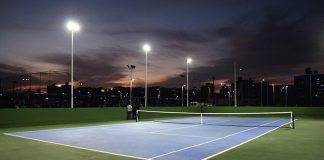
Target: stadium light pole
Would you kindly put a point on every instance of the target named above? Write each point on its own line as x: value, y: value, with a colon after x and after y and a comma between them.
x: 235, y: 95
x: 131, y: 67
x: 189, y: 60
x: 182, y: 94
x: 214, y: 95
x: 131, y: 91
x: 261, y: 94
x: 273, y: 94
x: 286, y: 96
x: 73, y: 27
x: 147, y: 49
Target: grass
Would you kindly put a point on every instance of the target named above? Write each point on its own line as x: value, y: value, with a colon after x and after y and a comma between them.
x: 13, y: 148
x: 10, y: 118
x: 303, y: 142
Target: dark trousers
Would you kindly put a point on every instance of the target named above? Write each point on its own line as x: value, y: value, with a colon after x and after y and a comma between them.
x: 129, y: 115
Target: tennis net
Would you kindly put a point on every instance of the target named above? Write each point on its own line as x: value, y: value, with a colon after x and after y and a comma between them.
x: 254, y: 119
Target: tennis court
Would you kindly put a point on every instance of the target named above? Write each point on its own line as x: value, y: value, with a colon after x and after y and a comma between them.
x: 189, y: 136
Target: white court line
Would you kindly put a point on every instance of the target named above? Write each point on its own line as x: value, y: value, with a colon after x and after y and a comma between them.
x: 175, y: 128
x: 124, y: 155
x: 123, y: 130
x: 91, y: 126
x: 200, y: 144
x: 187, y: 126
x: 166, y: 134
x: 83, y: 148
x: 9, y: 134
x: 214, y: 155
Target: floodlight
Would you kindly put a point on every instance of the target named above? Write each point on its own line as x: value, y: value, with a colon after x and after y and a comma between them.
x: 146, y: 48
x: 73, y: 26
x: 189, y: 60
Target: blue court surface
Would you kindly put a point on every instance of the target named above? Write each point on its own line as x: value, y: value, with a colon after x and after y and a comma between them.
x: 156, y: 140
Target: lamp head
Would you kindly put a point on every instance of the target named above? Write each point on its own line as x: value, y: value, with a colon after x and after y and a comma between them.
x: 146, y: 48
x: 73, y: 26
x: 189, y: 60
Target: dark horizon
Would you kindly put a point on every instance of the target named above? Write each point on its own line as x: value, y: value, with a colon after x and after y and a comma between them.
x: 42, y: 80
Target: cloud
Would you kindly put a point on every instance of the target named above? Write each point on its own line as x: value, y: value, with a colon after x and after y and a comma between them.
x: 278, y: 41
x: 11, y: 76
x: 7, y: 70
x: 101, y: 67
x: 276, y: 48
x: 161, y: 33
x: 265, y: 42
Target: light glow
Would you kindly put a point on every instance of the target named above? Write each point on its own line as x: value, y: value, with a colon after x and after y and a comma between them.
x: 189, y: 60
x: 73, y: 26
x: 146, y: 48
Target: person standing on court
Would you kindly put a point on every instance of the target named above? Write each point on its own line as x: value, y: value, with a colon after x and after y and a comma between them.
x: 135, y: 108
x: 129, y: 109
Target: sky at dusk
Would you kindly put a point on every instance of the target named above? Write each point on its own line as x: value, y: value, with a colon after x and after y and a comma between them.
x: 273, y: 39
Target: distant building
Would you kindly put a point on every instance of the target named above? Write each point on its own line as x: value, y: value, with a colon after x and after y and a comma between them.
x: 265, y: 94
x: 309, y: 88
x: 283, y: 95
x: 224, y: 92
x: 248, y: 92
x: 224, y: 96
x: 206, y: 93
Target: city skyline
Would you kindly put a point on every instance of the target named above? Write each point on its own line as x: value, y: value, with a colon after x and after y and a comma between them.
x: 272, y: 40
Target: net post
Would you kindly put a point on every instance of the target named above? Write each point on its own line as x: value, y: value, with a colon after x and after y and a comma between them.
x: 136, y: 115
x: 201, y: 118
x: 292, y: 120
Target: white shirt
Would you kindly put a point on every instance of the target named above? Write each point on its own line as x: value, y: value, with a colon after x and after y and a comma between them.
x: 129, y: 108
